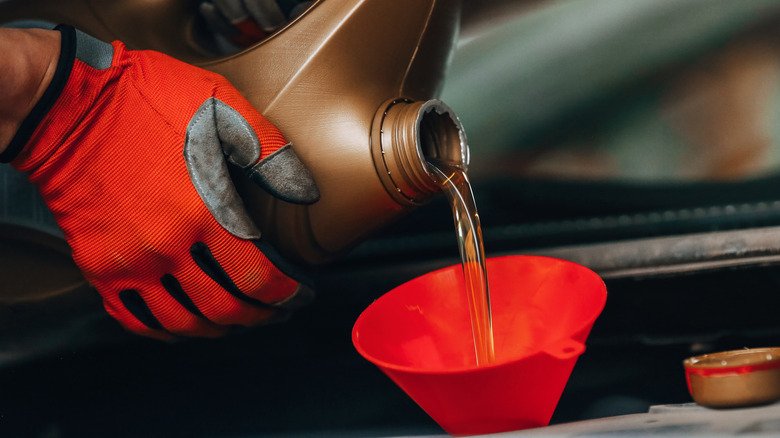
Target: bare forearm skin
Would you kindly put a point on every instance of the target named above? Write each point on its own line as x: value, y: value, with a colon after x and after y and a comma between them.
x: 28, y: 60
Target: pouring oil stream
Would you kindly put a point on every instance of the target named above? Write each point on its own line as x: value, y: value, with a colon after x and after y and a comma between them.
x: 457, y: 189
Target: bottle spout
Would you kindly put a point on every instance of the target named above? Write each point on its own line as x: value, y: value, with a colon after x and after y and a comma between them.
x: 406, y: 135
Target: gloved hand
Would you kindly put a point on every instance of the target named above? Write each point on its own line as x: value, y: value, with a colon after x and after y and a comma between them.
x: 245, y: 22
x: 129, y: 150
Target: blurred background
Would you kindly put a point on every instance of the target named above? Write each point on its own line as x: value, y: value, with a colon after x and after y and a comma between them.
x: 638, y: 137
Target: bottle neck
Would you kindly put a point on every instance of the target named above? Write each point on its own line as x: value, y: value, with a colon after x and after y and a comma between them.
x: 405, y: 136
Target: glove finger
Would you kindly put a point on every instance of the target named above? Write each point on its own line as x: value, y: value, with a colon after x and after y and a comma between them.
x: 252, y: 272
x: 285, y: 176
x: 192, y: 322
x: 253, y: 278
x: 129, y: 309
x: 222, y: 307
x: 155, y: 313
x: 250, y: 141
x: 218, y: 296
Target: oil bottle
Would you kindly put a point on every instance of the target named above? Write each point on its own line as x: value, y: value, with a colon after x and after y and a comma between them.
x: 351, y: 83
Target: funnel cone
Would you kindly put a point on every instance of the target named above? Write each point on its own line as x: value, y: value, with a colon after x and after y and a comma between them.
x: 419, y: 334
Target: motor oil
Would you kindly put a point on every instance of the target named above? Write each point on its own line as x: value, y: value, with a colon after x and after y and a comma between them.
x: 468, y: 230
x: 351, y: 83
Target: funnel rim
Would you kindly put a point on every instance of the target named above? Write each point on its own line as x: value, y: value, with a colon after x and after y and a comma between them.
x: 585, y: 324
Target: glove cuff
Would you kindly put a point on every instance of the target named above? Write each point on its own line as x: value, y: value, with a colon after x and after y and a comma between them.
x: 49, y: 98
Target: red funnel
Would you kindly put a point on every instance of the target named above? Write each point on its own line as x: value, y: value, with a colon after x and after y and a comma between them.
x: 419, y: 334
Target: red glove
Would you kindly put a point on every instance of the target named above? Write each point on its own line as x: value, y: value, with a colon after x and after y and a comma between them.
x: 129, y: 150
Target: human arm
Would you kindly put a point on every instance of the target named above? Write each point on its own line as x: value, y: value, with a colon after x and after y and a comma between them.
x: 26, y: 69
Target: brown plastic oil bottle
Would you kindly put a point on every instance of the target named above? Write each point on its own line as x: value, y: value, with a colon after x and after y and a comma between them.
x: 351, y: 83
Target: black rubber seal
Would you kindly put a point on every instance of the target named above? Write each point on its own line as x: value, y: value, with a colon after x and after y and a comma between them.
x: 50, y: 96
